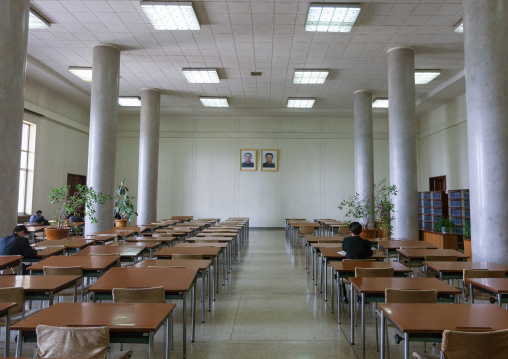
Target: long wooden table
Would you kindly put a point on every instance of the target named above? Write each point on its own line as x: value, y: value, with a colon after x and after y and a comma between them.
x: 127, y: 322
x: 418, y: 255
x: 71, y: 245
x: 93, y: 266
x: 40, y: 287
x: 494, y: 286
x: 454, y: 270
x: 127, y: 252
x: 391, y: 246
x: 11, y: 261
x: 177, y: 282
x: 427, y: 321
x: 372, y: 289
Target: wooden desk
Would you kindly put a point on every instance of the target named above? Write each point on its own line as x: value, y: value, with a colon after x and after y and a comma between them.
x: 161, y: 240
x: 454, y: 270
x: 127, y: 252
x: 127, y: 322
x: 93, y: 266
x: 40, y: 287
x: 99, y: 238
x: 5, y: 310
x: 418, y: 255
x: 149, y: 245
x: 372, y: 289
x: 10, y: 261
x: 391, y: 246
x: 347, y: 269
x: 426, y: 321
x: 45, y: 252
x: 494, y: 286
x: 71, y: 245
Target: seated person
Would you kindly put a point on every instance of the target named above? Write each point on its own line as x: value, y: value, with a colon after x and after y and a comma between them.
x: 39, y: 218
x: 75, y: 218
x: 356, y: 248
x: 17, y: 244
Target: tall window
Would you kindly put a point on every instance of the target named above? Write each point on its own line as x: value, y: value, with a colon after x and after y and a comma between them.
x: 26, y: 173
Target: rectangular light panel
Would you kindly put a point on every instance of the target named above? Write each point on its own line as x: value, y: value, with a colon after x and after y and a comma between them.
x: 380, y: 102
x: 84, y: 73
x: 294, y: 102
x: 201, y: 76
x: 214, y: 101
x: 36, y: 22
x: 129, y: 101
x: 325, y: 17
x: 424, y: 77
x: 459, y: 28
x: 310, y: 76
x: 166, y: 15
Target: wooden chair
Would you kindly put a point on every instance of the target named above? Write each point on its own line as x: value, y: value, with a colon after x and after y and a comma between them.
x: 306, y: 230
x: 69, y: 271
x: 470, y: 343
x: 139, y: 295
x: 75, y: 342
x: 201, y: 240
x: 405, y: 296
x: 478, y: 273
x: 374, y: 272
x: 186, y: 256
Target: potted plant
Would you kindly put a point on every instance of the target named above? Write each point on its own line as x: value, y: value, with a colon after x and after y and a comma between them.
x: 466, y: 232
x: 361, y: 209
x: 445, y: 226
x: 123, y: 205
x: 84, y: 198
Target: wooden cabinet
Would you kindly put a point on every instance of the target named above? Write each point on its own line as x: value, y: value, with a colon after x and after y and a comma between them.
x: 440, y: 240
x: 458, y: 206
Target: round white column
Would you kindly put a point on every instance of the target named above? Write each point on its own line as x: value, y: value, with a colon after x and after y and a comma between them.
x: 103, y: 132
x: 402, y: 141
x: 364, y: 146
x: 13, y: 47
x: 148, y: 156
x: 486, y: 57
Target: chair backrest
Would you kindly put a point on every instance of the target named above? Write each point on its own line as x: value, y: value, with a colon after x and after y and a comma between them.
x: 14, y: 294
x: 338, y: 240
x: 344, y: 230
x: 63, y: 271
x: 139, y: 295
x: 482, y: 273
x: 359, y: 260
x: 186, y: 256
x: 413, y: 247
x: 103, y: 254
x: 72, y: 342
x: 475, y: 344
x: 374, y: 272
x: 410, y: 295
x: 432, y: 258
x: 162, y: 234
x: 200, y: 240
x: 306, y: 230
x: 167, y: 267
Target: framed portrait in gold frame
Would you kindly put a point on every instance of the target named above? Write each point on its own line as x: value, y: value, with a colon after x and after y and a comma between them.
x: 269, y: 160
x: 248, y: 160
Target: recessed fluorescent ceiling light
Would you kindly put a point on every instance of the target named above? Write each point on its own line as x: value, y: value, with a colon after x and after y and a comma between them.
x: 166, y: 15
x: 331, y: 17
x: 310, y: 76
x: 380, y: 102
x: 424, y: 77
x: 301, y: 102
x: 36, y: 21
x: 214, y: 101
x: 84, y: 73
x: 459, y: 28
x: 201, y: 76
x: 129, y: 101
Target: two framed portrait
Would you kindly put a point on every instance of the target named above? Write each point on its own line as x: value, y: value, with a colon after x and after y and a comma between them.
x: 269, y: 160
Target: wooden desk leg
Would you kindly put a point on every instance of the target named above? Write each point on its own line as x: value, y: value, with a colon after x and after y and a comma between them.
x: 184, y: 324
x: 7, y: 334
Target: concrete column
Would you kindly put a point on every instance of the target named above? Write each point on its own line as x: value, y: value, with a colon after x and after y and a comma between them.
x: 402, y: 141
x: 13, y: 45
x: 364, y: 147
x: 148, y: 156
x: 486, y: 56
x: 103, y: 132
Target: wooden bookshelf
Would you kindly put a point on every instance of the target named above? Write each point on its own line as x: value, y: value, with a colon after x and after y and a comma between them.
x: 458, y: 208
x: 431, y: 208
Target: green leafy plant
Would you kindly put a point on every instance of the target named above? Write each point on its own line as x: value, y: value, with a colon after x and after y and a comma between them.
x: 123, y: 204
x: 360, y: 208
x: 84, y: 198
x: 445, y: 226
x: 466, y: 230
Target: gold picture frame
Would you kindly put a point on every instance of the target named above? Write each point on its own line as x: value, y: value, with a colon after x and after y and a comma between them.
x: 267, y: 163
x: 248, y: 160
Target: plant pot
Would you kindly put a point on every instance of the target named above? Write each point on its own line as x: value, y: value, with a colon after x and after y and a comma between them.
x: 57, y: 233
x: 368, y: 233
x: 121, y: 222
x: 443, y: 230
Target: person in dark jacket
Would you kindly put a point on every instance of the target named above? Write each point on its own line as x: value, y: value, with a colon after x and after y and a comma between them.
x: 17, y: 244
x: 39, y: 218
x: 75, y: 218
x: 356, y: 248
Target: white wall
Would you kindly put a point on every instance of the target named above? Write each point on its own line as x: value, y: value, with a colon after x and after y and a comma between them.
x: 199, y: 166
x: 442, y: 141
x: 61, y: 142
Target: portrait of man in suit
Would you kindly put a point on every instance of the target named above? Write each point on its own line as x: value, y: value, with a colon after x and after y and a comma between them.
x: 270, y: 160
x: 248, y: 160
